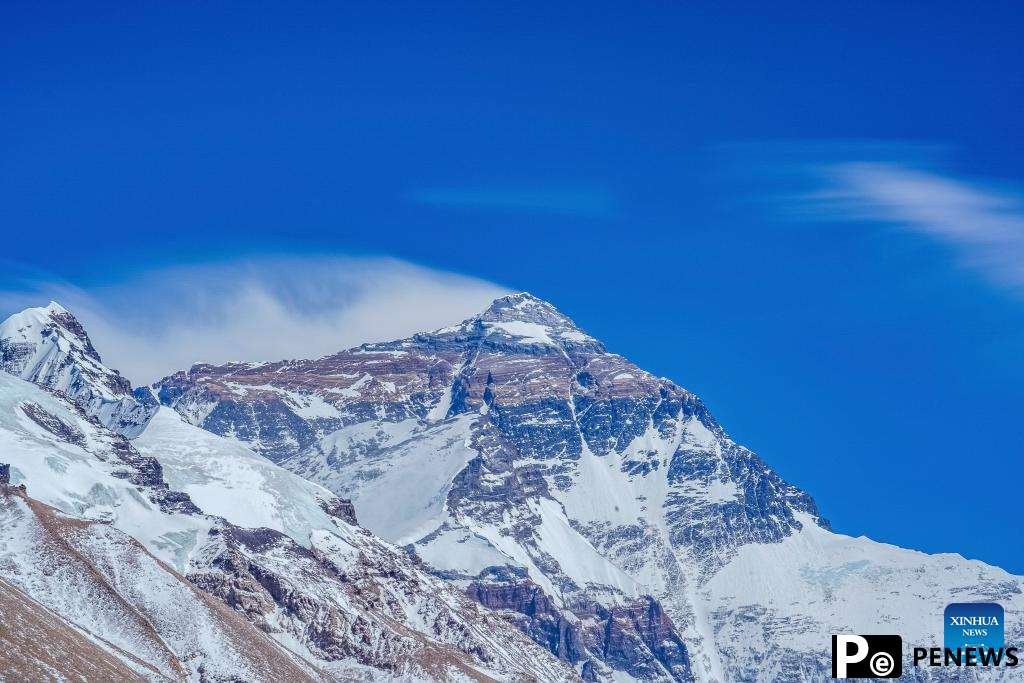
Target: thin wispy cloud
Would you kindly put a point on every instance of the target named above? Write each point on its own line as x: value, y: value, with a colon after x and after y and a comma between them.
x: 590, y: 203
x: 900, y: 185
x: 166, y: 319
x: 985, y: 225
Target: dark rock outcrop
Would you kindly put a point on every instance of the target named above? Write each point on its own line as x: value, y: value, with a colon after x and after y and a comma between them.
x: 350, y: 601
x: 148, y: 474
x: 342, y: 508
x: 637, y: 638
x: 539, y: 617
x: 53, y: 424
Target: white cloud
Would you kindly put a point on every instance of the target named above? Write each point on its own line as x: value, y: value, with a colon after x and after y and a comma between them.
x: 163, y: 320
x: 985, y: 225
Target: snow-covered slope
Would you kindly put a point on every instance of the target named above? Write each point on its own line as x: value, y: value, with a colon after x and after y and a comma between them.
x: 227, y: 479
x: 815, y: 582
x: 561, y: 483
x: 77, y: 466
x: 105, y: 545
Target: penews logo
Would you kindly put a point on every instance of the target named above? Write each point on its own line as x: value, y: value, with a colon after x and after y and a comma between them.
x: 867, y: 656
x: 972, y: 633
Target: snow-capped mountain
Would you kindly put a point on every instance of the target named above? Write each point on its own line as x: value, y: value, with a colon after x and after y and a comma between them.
x: 263, y: 576
x: 601, y: 508
x: 537, y: 483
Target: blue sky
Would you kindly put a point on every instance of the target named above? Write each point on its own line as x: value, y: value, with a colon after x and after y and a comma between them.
x: 810, y: 214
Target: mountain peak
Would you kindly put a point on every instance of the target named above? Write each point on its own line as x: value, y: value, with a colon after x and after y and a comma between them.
x: 54, y: 307
x: 53, y: 321
x: 524, y: 318
x: 525, y: 307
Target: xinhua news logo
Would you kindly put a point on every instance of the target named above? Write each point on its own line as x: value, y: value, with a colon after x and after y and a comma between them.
x: 867, y: 656
x: 973, y: 625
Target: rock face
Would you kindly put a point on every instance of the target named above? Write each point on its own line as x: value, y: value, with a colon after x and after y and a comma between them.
x: 602, y: 509
x: 49, y: 347
x: 357, y: 601
x: 342, y: 509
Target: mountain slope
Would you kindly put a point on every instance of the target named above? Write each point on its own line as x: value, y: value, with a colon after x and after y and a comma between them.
x: 337, y: 603
x: 546, y: 476
x: 134, y: 607
x: 37, y: 644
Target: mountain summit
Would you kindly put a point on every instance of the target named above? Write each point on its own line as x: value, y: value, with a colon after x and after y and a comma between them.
x: 528, y: 309
x: 524, y: 319
x: 35, y: 341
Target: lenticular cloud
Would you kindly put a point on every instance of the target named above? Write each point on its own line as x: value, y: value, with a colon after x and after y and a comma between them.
x: 163, y: 320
